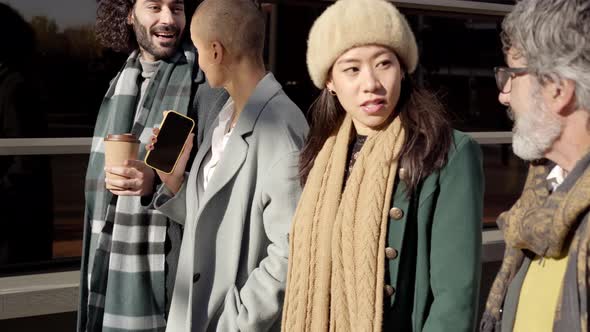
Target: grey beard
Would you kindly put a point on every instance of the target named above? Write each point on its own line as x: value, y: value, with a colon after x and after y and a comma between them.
x: 535, y: 131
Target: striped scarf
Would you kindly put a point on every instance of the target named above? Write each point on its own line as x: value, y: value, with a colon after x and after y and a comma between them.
x: 336, y: 266
x: 123, y: 264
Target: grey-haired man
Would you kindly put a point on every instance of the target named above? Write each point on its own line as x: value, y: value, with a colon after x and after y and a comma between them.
x: 543, y: 282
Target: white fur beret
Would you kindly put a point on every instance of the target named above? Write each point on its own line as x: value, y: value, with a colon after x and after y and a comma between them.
x: 351, y: 23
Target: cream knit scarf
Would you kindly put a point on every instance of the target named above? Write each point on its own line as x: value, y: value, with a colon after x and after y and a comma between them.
x: 337, y: 242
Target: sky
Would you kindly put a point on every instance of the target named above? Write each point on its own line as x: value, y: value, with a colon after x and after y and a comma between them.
x: 66, y: 13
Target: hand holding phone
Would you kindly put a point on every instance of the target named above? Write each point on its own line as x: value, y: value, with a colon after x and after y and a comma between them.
x: 174, y: 180
x: 170, y: 142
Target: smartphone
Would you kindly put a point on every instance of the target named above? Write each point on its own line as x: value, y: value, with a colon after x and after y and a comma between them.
x: 174, y: 131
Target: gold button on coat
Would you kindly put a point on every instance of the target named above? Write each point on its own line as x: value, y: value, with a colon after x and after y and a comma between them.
x: 396, y: 213
x: 390, y: 253
x: 389, y: 290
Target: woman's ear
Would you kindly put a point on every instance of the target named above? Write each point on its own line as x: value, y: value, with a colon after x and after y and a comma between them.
x: 218, y: 52
x: 330, y: 86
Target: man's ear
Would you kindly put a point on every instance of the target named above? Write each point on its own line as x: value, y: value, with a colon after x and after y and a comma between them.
x: 130, y: 17
x: 560, y: 96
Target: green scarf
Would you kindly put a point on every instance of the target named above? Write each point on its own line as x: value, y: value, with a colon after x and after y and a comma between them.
x: 123, y: 260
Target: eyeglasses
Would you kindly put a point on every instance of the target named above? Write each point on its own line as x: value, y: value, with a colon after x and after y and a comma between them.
x: 504, y: 76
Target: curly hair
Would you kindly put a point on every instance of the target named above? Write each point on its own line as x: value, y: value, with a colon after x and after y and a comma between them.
x: 111, y: 27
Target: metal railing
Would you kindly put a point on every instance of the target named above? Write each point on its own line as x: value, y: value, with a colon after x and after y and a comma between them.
x: 45, y: 146
x: 81, y: 145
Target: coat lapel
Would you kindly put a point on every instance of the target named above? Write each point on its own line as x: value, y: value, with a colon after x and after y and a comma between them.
x: 231, y: 161
x: 191, y: 186
x: 203, y: 150
x: 237, y: 147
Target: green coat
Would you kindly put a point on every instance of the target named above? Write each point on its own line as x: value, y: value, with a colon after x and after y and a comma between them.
x: 436, y: 271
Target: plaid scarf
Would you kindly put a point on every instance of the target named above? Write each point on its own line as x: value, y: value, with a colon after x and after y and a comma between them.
x: 542, y: 222
x: 123, y: 264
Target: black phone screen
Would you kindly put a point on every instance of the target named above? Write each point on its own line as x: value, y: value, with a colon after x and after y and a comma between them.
x: 173, y: 133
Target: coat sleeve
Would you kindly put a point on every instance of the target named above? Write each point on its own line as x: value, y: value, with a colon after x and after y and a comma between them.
x: 171, y: 205
x: 257, y: 306
x: 455, y: 252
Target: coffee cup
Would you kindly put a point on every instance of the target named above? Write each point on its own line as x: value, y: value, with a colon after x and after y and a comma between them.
x: 117, y: 149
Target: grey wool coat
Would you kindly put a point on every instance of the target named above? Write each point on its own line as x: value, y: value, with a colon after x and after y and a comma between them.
x: 233, y: 259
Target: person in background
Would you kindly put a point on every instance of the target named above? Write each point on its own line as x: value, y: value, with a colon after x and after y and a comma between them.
x: 27, y: 233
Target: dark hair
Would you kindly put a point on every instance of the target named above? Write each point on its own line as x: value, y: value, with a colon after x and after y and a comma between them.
x: 111, y: 25
x: 427, y: 130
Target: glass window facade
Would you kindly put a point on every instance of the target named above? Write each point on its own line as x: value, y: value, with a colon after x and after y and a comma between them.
x: 56, y: 87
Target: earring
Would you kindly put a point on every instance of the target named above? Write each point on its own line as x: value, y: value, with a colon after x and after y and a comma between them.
x: 332, y: 92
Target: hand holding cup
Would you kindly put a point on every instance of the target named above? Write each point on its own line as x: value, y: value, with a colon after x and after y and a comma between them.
x: 124, y: 174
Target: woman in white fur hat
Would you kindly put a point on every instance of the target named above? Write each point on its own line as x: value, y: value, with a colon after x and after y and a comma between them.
x: 387, y: 234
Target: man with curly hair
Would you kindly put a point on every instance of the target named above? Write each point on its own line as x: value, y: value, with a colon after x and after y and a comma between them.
x: 130, y: 251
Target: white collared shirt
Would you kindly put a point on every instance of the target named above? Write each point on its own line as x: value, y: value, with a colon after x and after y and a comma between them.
x: 221, y: 135
x: 556, y: 177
